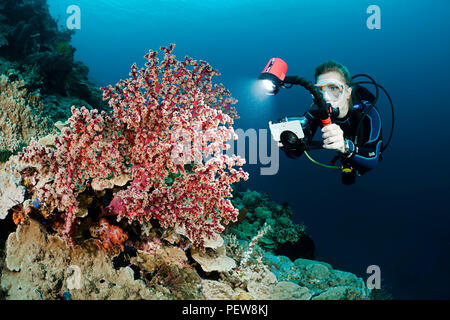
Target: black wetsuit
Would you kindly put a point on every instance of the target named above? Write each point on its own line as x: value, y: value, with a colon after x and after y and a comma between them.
x: 365, y: 153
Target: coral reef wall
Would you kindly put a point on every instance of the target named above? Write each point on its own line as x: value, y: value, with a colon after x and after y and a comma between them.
x: 21, y: 114
x: 127, y: 199
x: 38, y: 72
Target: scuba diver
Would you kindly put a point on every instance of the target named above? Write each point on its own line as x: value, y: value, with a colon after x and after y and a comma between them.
x: 358, y: 157
x: 350, y: 122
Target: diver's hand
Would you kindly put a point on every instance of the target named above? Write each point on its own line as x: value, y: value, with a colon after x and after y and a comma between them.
x: 333, y: 138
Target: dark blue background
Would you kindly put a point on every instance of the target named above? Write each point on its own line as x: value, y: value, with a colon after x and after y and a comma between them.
x: 396, y: 216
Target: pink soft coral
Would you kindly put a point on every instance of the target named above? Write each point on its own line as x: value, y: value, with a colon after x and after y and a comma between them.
x: 167, y: 119
x: 110, y: 237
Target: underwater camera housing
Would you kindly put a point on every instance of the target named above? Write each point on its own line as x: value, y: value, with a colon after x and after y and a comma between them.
x: 288, y: 132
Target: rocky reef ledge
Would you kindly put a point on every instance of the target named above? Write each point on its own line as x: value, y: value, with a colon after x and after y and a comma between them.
x: 40, y: 266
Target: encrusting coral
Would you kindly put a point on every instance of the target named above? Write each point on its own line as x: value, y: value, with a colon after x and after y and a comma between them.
x: 12, y: 193
x: 21, y: 115
x: 38, y: 266
x: 258, y: 209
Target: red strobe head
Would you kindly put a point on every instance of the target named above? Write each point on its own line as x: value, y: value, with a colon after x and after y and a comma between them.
x: 273, y: 75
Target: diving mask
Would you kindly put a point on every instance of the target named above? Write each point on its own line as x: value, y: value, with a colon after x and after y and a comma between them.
x: 331, y: 89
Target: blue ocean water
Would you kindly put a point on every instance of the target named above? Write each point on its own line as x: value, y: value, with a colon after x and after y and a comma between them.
x: 396, y: 216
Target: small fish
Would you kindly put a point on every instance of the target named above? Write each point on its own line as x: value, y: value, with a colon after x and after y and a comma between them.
x: 36, y: 202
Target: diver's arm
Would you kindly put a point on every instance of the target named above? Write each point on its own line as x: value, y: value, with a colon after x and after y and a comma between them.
x: 311, y: 122
x: 367, y: 154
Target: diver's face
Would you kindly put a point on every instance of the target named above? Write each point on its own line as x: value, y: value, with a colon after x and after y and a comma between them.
x: 343, y: 101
